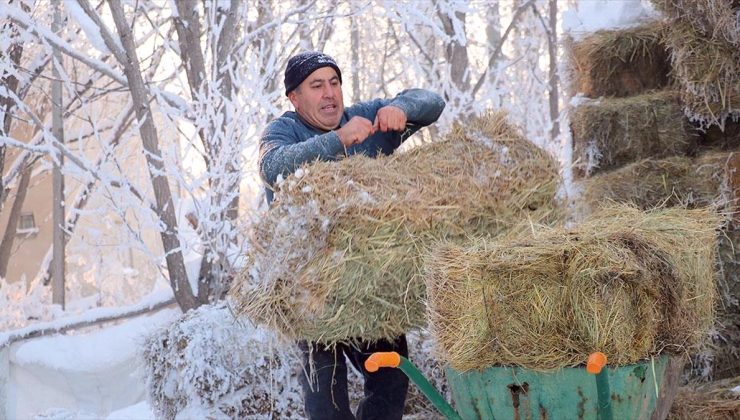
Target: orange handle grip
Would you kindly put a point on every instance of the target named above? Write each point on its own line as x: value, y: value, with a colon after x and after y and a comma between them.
x: 596, y: 362
x: 382, y: 359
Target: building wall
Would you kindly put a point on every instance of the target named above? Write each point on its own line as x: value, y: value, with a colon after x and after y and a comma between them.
x: 30, y: 249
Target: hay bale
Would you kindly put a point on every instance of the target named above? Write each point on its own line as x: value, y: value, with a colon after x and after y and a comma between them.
x: 625, y: 282
x: 339, y: 254
x: 708, y: 72
x: 713, y: 401
x: 674, y: 181
x: 714, y: 19
x: 620, y: 63
x: 610, y: 133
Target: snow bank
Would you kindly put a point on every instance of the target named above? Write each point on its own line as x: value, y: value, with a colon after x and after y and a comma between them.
x: 140, y: 411
x: 85, y: 375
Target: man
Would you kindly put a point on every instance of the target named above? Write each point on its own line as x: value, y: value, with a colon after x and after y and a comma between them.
x: 321, y: 128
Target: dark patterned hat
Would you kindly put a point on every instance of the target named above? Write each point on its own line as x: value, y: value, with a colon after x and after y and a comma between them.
x: 302, y: 65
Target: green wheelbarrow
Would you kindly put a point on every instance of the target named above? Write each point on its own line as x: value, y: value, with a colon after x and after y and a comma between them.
x: 639, y: 391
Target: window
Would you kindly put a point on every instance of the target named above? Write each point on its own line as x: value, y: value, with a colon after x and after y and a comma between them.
x: 27, y: 224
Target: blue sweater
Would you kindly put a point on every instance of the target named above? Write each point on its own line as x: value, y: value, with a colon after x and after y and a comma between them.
x: 288, y: 141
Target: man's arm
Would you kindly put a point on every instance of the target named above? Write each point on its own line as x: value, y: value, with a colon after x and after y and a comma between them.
x: 421, y: 107
x: 281, y: 153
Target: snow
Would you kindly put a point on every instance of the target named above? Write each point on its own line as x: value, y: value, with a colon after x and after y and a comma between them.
x: 86, y: 374
x: 156, y: 297
x: 140, y: 411
x: 109, y: 346
x: 88, y: 26
x: 593, y: 15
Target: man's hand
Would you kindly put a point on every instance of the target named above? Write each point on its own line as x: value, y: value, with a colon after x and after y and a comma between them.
x: 390, y: 118
x: 355, y: 131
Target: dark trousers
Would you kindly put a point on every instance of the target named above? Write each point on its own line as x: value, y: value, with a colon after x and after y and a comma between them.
x: 326, y: 396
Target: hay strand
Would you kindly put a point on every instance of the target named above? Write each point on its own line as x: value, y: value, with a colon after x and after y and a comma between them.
x: 714, y: 19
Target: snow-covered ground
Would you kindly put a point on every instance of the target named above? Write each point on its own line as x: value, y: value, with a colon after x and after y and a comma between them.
x: 93, y: 373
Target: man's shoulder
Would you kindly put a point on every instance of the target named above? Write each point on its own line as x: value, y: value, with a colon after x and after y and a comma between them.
x: 286, y: 123
x: 288, y: 118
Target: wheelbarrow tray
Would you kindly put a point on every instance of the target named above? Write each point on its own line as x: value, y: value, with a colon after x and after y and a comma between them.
x: 640, y: 391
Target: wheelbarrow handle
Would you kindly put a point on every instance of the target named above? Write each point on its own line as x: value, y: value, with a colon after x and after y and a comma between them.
x: 595, y: 366
x: 381, y: 359
x: 393, y: 359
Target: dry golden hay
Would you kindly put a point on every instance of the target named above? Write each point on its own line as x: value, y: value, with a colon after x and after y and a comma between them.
x: 628, y: 283
x: 610, y: 133
x: 713, y: 401
x: 338, y: 256
x: 715, y: 19
x: 707, y: 70
x: 619, y: 63
x: 675, y: 181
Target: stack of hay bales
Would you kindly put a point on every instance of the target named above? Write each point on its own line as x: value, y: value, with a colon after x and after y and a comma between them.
x: 625, y: 282
x: 631, y: 111
x: 663, y: 158
x: 704, y: 40
x: 339, y: 254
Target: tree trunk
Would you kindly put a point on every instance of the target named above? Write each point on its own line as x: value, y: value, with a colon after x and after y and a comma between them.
x: 214, y: 267
x: 552, y: 47
x: 355, y: 63
x: 518, y: 11
x: 457, y: 53
x: 327, y: 28
x: 493, y: 37
x: 6, y: 246
x: 58, y: 259
x: 6, y: 103
x: 165, y: 206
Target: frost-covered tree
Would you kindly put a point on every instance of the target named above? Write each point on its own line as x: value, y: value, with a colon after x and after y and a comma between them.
x: 195, y: 116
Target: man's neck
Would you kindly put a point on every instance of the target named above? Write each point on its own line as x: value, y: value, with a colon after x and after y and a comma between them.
x: 313, y: 127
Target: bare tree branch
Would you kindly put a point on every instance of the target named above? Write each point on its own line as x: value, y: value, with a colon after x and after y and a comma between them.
x: 492, y: 60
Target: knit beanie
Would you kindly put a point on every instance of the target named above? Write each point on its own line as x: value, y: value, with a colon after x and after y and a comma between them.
x: 302, y: 65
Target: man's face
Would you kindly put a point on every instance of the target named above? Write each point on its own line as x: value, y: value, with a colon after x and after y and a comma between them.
x: 318, y: 99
